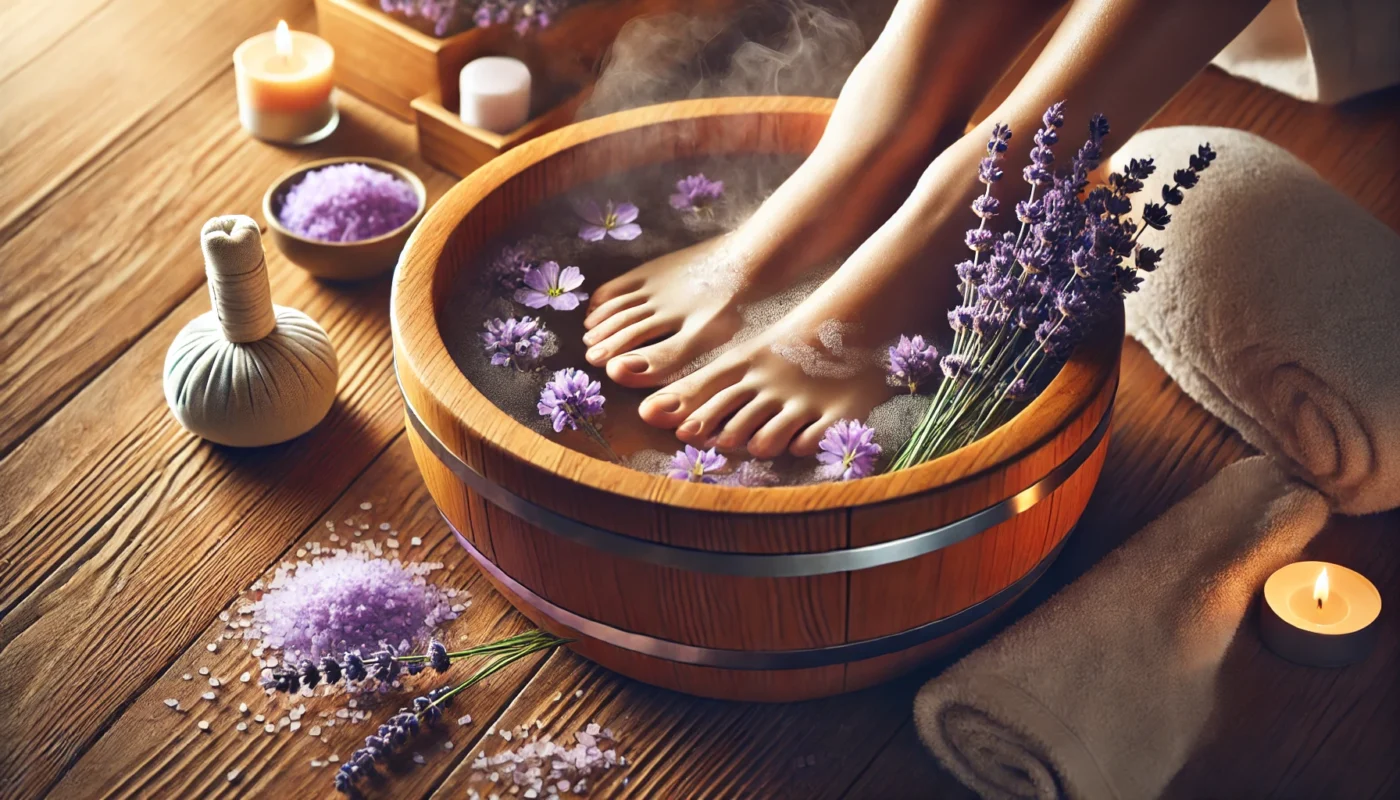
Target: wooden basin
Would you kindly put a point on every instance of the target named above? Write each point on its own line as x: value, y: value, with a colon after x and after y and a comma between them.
x: 757, y: 594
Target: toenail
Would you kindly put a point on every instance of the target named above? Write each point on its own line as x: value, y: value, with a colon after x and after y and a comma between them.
x: 595, y: 353
x: 690, y: 428
x: 666, y: 403
x: 634, y: 364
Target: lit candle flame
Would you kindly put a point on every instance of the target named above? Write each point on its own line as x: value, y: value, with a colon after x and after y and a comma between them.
x: 282, y: 39
x: 1320, y: 588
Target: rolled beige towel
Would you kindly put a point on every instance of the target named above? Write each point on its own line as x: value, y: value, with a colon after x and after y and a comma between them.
x: 1103, y: 690
x: 1277, y: 307
x: 1319, y: 50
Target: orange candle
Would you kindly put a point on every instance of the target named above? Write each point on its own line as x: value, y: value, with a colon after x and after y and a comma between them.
x: 284, y: 86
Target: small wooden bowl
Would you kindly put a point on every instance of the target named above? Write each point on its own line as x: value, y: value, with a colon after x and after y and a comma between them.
x: 769, y: 594
x: 341, y: 261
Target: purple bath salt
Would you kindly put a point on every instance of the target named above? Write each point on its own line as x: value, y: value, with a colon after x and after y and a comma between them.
x: 347, y: 203
x: 349, y: 600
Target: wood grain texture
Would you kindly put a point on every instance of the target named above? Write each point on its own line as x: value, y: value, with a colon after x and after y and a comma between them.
x: 160, y: 752
x: 106, y: 491
x: 689, y: 606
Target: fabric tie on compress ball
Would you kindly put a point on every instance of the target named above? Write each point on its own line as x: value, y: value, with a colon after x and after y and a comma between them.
x: 1277, y: 307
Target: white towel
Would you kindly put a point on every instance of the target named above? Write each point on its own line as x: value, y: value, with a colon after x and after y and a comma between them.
x: 1319, y: 50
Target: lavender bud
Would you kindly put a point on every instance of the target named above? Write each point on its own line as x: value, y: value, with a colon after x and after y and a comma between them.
x: 437, y: 656
x: 355, y: 667
x: 331, y: 669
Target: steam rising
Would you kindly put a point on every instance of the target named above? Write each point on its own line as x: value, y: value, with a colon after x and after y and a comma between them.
x: 783, y: 48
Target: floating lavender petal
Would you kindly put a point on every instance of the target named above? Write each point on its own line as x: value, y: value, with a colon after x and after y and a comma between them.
x: 848, y: 451
x: 553, y: 286
x: 696, y: 466
x: 696, y: 193
x: 571, y: 399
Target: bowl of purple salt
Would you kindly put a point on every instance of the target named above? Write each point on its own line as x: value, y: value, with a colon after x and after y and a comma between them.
x: 344, y: 218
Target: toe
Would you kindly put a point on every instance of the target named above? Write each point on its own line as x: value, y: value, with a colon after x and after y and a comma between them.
x: 629, y: 337
x: 740, y: 428
x: 616, y: 323
x: 670, y: 406
x: 709, y: 418
x: 774, y: 437
x: 602, y: 310
x: 656, y: 363
x: 806, y: 442
x: 613, y: 290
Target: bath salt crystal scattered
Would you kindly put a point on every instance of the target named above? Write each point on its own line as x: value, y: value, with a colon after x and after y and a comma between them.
x: 384, y: 526
x: 214, y: 682
x: 172, y: 702
x: 208, y: 695
x: 203, y: 670
x: 467, y: 720
x: 202, y: 725
x: 366, y: 506
x: 315, y: 731
x: 415, y: 541
x: 269, y: 728
x: 259, y: 718
x: 347, y: 203
x: 245, y: 677
x: 352, y: 599
x: 541, y: 765
x: 212, y: 647
x: 448, y: 746
x: 419, y: 759
x: 393, y: 544
x: 232, y: 776
x: 241, y: 727
x: 187, y: 676
x: 333, y: 758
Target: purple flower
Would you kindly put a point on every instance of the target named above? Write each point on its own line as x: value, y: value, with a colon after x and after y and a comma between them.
x: 570, y: 398
x: 514, y: 342
x: 955, y: 366
x: 696, y: 466
x: 510, y: 266
x: 617, y: 221
x: 752, y: 474
x: 911, y: 362
x: 695, y: 193
x: 848, y: 451
x: 548, y: 285
x: 979, y: 239
x: 985, y: 206
x: 437, y: 656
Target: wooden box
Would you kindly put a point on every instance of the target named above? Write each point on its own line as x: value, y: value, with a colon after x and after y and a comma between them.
x: 456, y: 147
x: 389, y: 63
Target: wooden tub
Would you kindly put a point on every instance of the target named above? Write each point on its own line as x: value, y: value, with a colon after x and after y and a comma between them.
x: 757, y: 594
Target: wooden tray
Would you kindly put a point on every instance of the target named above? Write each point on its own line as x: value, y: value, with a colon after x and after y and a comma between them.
x: 389, y: 63
x: 456, y: 147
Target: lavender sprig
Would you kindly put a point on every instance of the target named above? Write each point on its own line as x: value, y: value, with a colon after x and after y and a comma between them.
x: 426, y: 711
x: 1030, y: 296
x: 384, y: 665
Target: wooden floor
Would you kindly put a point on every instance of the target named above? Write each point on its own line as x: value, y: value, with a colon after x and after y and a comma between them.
x: 124, y: 537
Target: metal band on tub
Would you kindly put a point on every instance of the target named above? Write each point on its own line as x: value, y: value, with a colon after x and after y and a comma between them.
x: 757, y: 565
x: 830, y: 655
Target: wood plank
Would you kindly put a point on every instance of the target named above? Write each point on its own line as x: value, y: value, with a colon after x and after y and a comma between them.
x: 151, y: 750
x: 73, y: 297
x: 107, y: 526
x: 86, y: 94
x: 28, y: 29
x: 149, y: 275
x: 677, y: 746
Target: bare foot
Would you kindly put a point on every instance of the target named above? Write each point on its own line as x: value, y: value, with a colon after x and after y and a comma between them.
x: 824, y: 361
x: 648, y: 324
x: 906, y: 100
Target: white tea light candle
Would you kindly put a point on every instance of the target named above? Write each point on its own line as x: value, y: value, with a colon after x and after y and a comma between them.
x: 284, y: 86
x: 1319, y: 614
x: 495, y: 94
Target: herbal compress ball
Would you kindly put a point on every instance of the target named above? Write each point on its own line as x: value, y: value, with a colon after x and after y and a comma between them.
x: 247, y: 373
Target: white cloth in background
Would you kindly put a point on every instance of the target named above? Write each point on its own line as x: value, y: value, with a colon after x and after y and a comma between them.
x: 1322, y: 51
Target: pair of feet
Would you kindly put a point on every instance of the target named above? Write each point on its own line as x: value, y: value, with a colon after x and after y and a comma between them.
x: 779, y: 390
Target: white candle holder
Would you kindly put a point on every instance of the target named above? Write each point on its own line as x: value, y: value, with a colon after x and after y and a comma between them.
x: 1337, y: 631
